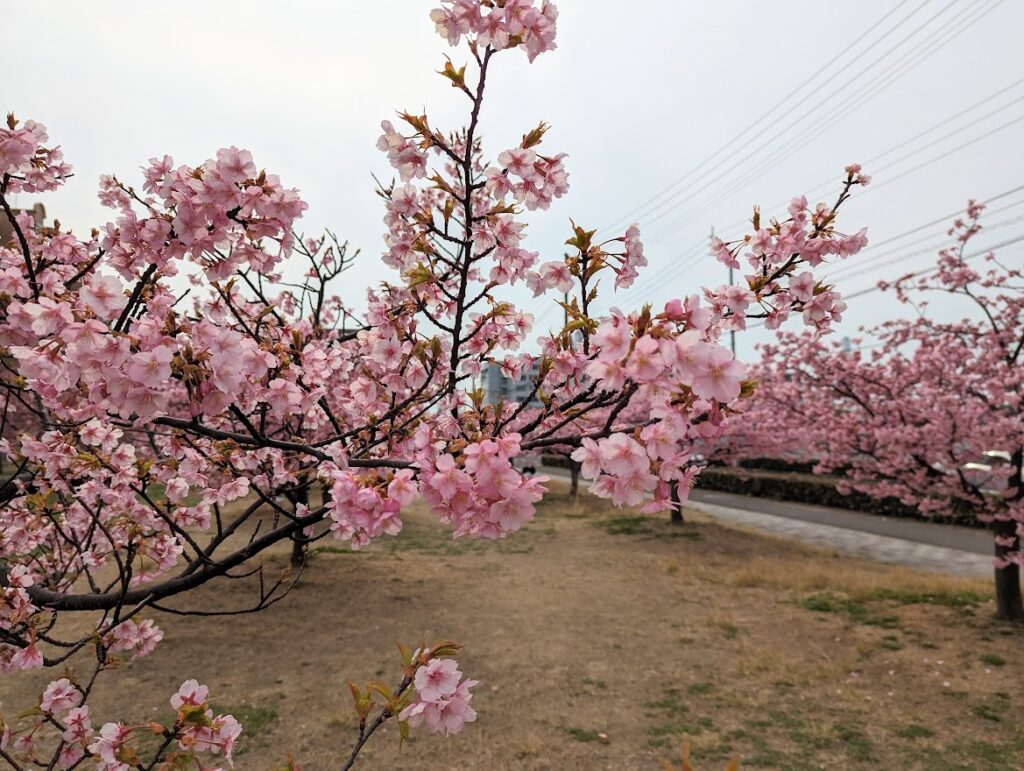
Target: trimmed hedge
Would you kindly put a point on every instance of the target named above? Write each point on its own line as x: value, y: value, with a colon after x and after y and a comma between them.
x: 805, y: 488
x: 777, y: 464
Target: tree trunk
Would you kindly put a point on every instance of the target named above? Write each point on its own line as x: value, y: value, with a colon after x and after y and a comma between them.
x: 677, y: 506
x: 574, y: 472
x: 1009, y: 603
x: 300, y: 543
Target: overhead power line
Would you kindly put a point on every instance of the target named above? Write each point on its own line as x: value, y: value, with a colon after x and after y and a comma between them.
x: 980, y: 253
x: 637, y: 292
x: 932, y: 250
x: 688, y: 259
x: 797, y: 121
x: 924, y: 272
x: 793, y: 143
x: 830, y: 182
x: 750, y: 127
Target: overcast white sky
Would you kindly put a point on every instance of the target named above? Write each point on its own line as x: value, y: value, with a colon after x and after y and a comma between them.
x: 638, y: 94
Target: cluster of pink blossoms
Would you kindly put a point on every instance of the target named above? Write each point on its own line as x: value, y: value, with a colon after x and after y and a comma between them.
x: 366, y: 506
x: 485, y: 497
x: 161, y: 441
x: 442, y: 698
x: 136, y: 637
x: 528, y: 178
x: 216, y: 213
x: 923, y: 414
x: 406, y: 156
x: 28, y: 165
x: 499, y: 25
x: 61, y: 703
x: 772, y: 251
x: 632, y: 259
x: 196, y: 730
x: 666, y: 369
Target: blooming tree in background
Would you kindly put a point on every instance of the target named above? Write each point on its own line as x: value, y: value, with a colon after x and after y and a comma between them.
x: 176, y: 402
x: 911, y: 417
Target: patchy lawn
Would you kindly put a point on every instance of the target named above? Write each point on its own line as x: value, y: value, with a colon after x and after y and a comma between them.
x: 601, y: 640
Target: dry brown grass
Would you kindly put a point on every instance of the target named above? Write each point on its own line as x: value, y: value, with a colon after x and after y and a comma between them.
x: 602, y: 639
x: 854, y: 578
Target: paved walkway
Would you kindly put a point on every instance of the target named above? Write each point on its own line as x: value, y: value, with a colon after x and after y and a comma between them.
x: 931, y: 546
x: 927, y: 545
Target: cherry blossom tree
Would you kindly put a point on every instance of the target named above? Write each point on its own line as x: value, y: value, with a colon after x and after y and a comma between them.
x: 183, y: 390
x: 911, y: 416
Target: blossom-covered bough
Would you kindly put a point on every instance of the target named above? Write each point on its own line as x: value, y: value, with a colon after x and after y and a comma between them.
x: 913, y: 416
x: 183, y: 391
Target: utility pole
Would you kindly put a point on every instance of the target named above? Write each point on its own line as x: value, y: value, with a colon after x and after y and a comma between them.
x: 732, y: 332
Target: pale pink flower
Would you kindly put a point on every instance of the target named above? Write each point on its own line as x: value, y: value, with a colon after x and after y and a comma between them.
x: 437, y: 679
x: 190, y: 694
x: 60, y: 695
x: 720, y: 378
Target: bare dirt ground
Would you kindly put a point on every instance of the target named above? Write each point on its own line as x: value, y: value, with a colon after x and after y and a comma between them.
x: 601, y: 640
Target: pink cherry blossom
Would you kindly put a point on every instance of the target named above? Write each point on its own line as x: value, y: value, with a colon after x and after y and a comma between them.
x: 60, y: 695
x: 438, y: 679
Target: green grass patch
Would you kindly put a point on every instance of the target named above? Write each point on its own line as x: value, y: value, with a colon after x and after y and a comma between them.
x: 583, y: 735
x: 254, y: 719
x: 647, y: 527
x: 950, y: 600
x: 784, y: 720
x: 993, y: 755
x: 669, y: 705
x: 855, y: 742
x: 826, y: 602
x: 914, y: 731
x: 992, y: 660
x: 625, y: 525
x: 770, y: 758
x: 986, y: 712
x: 994, y: 709
x: 673, y: 729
